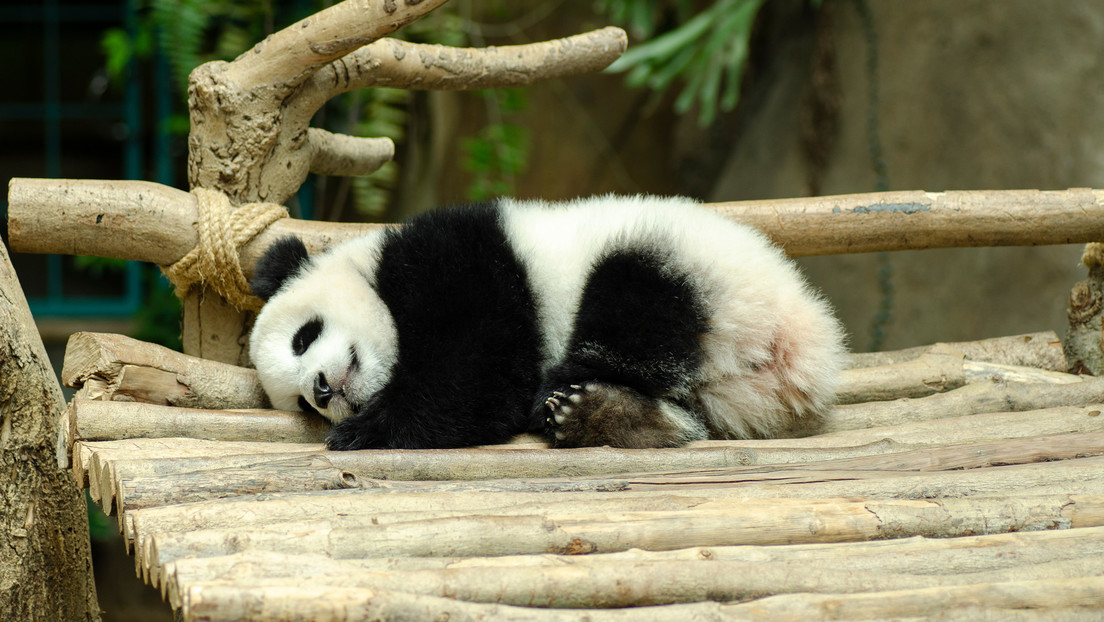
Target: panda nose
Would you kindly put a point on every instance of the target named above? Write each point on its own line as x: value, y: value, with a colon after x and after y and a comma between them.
x: 322, y: 391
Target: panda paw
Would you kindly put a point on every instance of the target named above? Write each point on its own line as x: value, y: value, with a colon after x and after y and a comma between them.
x: 357, y: 432
x: 561, y: 407
x: 594, y: 414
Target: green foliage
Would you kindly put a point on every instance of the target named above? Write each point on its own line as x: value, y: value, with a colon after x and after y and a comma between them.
x: 707, y: 52
x: 119, y: 47
x: 383, y: 113
x: 100, y: 527
x: 500, y: 152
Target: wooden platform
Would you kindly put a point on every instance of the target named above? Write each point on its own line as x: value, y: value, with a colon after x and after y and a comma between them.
x: 984, y: 501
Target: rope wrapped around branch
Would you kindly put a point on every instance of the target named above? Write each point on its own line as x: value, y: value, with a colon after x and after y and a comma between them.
x: 215, y: 262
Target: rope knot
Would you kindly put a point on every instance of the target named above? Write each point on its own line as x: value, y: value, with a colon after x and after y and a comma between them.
x: 215, y: 262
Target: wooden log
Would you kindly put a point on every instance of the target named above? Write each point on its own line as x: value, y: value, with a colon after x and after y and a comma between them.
x: 616, y: 584
x: 1078, y: 598
x: 940, y: 369
x: 1042, y: 350
x: 45, y: 559
x: 1013, y: 479
x: 1079, y: 474
x: 976, y: 371
x: 251, y: 511
x: 121, y: 368
x: 1004, y: 601
x: 364, y: 465
x: 726, y: 522
x: 968, y: 400
x: 129, y: 369
x: 434, y: 465
x: 305, y: 472
x: 148, y: 222
x: 965, y: 428
x: 909, y: 220
x: 135, y: 220
x: 107, y: 475
x: 92, y: 420
x: 94, y: 455
x: 208, y: 520
x: 917, y: 555
x: 468, y: 463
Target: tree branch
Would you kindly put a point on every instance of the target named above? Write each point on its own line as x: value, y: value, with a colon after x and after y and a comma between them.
x: 348, y: 156
x: 291, y: 55
x: 399, y: 64
x: 861, y: 223
x: 149, y: 222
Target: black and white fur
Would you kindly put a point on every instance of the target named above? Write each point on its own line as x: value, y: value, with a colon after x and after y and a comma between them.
x: 623, y: 321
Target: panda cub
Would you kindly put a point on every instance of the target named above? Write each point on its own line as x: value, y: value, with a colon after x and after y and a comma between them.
x: 622, y: 321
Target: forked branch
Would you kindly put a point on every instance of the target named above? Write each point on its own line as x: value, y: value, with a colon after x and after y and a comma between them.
x: 250, y: 137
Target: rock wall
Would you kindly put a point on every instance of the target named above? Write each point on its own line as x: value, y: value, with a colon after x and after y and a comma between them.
x: 972, y: 95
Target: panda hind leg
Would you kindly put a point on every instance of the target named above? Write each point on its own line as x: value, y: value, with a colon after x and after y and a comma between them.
x: 596, y: 413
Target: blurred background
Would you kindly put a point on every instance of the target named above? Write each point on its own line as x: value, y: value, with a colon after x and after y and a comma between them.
x: 722, y: 101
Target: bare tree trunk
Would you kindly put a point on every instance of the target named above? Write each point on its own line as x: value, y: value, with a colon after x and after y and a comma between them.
x: 45, y: 558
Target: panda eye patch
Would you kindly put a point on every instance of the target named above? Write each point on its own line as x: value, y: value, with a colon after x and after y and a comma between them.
x: 305, y: 336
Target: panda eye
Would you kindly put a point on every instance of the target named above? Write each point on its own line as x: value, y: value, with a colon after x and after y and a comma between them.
x: 305, y: 336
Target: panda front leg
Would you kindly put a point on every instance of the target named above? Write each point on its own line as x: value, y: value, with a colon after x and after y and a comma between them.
x: 632, y: 359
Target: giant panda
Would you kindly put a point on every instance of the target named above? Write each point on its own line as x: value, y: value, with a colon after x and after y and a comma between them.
x: 623, y: 321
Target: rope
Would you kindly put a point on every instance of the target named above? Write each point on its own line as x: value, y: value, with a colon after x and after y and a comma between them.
x: 214, y: 262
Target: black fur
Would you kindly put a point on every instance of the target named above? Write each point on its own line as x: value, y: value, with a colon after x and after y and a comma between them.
x: 469, y: 344
x: 283, y: 260
x: 637, y: 338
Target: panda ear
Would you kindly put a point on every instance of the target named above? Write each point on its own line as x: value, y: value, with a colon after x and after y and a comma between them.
x: 283, y: 260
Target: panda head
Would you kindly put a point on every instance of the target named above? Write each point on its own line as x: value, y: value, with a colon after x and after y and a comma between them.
x: 324, y: 340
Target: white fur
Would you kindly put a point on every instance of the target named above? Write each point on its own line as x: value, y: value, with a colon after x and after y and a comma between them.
x: 773, y: 351
x: 336, y: 288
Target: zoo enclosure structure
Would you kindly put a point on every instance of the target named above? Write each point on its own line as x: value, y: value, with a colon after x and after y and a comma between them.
x: 957, y: 479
